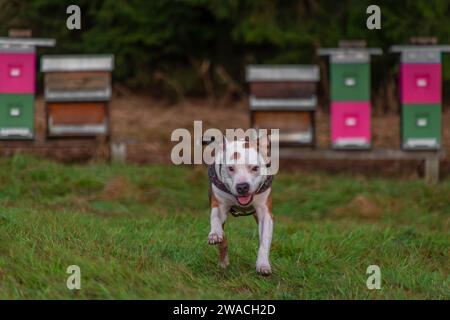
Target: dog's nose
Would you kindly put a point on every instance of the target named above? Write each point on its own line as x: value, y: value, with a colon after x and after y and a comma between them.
x: 242, y: 188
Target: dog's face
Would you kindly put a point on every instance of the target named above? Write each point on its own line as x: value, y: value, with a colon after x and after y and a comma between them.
x: 241, y: 170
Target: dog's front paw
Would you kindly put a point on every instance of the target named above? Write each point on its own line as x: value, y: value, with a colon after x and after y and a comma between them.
x: 224, y: 263
x: 264, y: 269
x: 215, y: 238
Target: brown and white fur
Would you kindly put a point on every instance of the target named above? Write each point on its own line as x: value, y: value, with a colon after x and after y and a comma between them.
x: 235, y: 174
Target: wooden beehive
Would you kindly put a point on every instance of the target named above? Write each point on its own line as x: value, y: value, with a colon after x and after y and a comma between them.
x: 77, y: 92
x: 284, y: 98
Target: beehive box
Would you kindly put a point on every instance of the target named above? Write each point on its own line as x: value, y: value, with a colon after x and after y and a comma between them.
x: 77, y: 92
x: 350, y: 93
x: 17, y: 70
x: 284, y: 98
x: 17, y: 86
x: 421, y: 95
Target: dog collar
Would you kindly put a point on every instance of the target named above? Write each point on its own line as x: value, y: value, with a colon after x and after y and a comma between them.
x: 237, y: 210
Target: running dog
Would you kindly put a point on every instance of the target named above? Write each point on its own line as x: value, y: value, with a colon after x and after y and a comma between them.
x: 238, y: 187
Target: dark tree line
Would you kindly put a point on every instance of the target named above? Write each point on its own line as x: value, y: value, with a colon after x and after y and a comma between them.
x: 197, y: 47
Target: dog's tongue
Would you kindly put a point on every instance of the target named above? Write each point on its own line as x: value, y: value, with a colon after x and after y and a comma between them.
x: 244, y: 200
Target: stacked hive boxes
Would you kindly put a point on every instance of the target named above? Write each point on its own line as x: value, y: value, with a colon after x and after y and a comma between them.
x: 350, y: 96
x: 284, y: 98
x: 17, y: 86
x: 77, y: 91
x: 420, y: 95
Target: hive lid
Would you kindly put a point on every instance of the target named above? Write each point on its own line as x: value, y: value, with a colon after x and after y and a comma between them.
x: 68, y: 63
x: 27, y: 42
x: 17, y: 49
x: 331, y: 51
x: 422, y: 48
x: 349, y: 55
x: 421, y: 56
x: 282, y: 73
x: 420, y: 53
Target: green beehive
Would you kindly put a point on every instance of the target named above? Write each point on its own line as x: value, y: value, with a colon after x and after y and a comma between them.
x: 421, y: 125
x: 350, y: 81
x: 16, y: 115
x: 350, y: 70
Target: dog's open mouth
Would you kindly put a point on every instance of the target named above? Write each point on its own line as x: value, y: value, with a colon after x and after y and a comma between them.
x: 244, y: 200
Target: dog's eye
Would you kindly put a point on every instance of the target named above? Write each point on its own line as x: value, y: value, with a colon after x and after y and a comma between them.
x: 231, y: 168
x: 255, y: 169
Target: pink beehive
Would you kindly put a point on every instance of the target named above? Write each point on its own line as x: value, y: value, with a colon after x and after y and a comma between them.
x: 350, y: 124
x: 420, y: 83
x: 17, y: 72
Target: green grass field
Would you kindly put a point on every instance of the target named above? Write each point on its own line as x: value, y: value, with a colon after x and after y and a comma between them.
x: 141, y: 232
